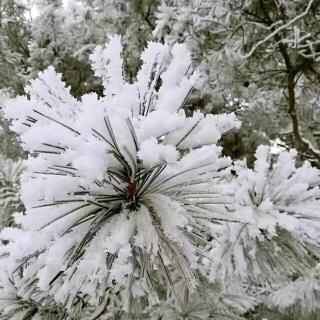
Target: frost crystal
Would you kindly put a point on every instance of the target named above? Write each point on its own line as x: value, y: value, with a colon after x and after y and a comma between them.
x: 118, y: 189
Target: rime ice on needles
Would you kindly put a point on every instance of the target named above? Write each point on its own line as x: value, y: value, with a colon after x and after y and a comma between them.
x: 116, y: 188
x: 277, y: 237
x: 300, y: 295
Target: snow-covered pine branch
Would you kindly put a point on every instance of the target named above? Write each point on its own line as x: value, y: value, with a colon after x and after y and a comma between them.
x: 277, y: 239
x: 301, y: 295
x: 118, y: 190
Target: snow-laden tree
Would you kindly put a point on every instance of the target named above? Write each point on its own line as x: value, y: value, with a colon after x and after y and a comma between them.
x: 119, y: 191
x: 126, y: 18
x: 64, y: 35
x: 10, y: 202
x: 264, y: 52
x: 14, y: 36
x: 59, y: 38
x: 9, y: 146
x: 49, y: 38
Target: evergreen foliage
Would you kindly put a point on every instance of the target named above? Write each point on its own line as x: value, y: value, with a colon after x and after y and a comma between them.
x: 128, y: 188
